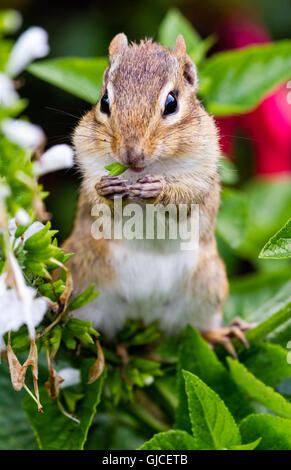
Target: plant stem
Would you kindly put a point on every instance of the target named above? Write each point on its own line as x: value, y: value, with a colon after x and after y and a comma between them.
x: 263, y: 329
x: 51, y: 325
x: 65, y: 413
x: 30, y: 393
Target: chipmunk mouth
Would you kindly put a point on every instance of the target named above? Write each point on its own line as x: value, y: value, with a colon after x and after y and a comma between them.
x: 137, y: 169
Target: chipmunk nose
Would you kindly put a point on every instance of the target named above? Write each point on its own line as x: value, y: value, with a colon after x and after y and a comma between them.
x: 133, y: 156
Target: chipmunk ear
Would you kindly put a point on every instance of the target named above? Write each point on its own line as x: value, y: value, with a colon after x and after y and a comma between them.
x: 117, y: 45
x: 190, y: 71
x: 180, y: 46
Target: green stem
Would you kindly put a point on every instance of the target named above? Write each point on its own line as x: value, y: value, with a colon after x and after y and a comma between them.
x: 65, y: 413
x: 263, y: 329
x: 167, y: 395
x: 30, y: 393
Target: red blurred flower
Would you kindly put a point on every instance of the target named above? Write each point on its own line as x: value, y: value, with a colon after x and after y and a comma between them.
x: 269, y: 125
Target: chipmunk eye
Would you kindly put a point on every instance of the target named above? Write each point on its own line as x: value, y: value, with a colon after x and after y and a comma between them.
x: 104, y: 104
x: 171, y: 104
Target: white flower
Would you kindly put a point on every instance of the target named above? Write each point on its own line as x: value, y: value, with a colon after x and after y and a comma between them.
x: 32, y: 44
x: 71, y: 377
x: 23, y: 133
x: 56, y: 158
x: 8, y: 95
x: 22, y: 217
x: 12, y: 227
x: 149, y: 380
x: 18, y: 305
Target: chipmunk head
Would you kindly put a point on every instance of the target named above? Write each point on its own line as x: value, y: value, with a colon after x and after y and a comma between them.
x: 148, y: 113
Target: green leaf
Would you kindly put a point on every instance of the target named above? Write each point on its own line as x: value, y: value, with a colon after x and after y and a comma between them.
x: 228, y: 172
x: 150, y: 334
x: 53, y: 339
x: 262, y: 195
x: 116, y: 386
x: 146, y: 365
x: 213, y: 426
x: 250, y: 446
x: 10, y: 20
x: 196, y: 356
x: 14, y: 110
x: 174, y: 24
x: 69, y: 340
x: 52, y: 289
x: 137, y: 377
x: 87, y: 296
x: 274, y: 313
x: 39, y: 252
x: 166, y: 394
x: 248, y: 293
x: 170, y: 440
x: 281, y: 335
x: 267, y: 362
x: 71, y: 398
x: 198, y: 53
x: 275, y: 432
x: 79, y: 329
x: 20, y: 339
x: 75, y: 325
x: 232, y: 218
x: 40, y: 239
x: 257, y: 390
x: 168, y: 348
x: 20, y: 194
x: 107, y: 432
x: 116, y: 169
x: 15, y: 432
x: 5, y: 49
x: 238, y: 80
x: 279, y: 246
x: 130, y: 329
x: 53, y: 430
x: 80, y: 76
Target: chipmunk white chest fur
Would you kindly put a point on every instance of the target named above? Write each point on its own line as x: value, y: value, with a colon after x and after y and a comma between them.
x: 150, y: 120
x: 156, y: 295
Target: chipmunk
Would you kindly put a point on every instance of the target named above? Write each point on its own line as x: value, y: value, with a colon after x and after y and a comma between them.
x: 150, y: 119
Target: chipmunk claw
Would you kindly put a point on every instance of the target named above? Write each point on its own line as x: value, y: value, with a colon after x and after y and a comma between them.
x: 111, y: 186
x: 242, y: 324
x: 147, y: 187
x: 149, y: 179
x: 224, y: 336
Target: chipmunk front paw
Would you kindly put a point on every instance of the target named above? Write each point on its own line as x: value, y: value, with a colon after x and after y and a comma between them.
x: 148, y: 187
x: 111, y: 187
